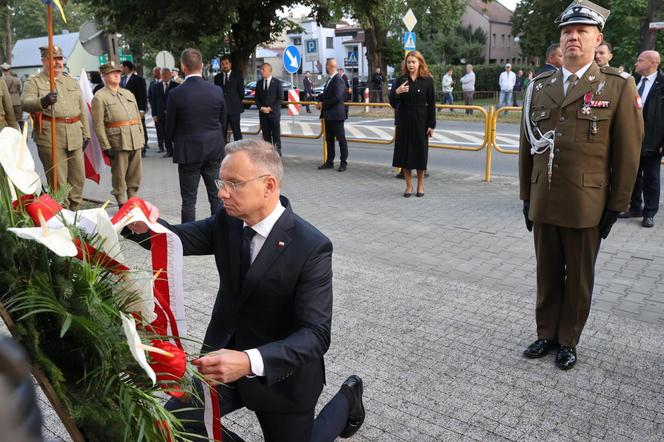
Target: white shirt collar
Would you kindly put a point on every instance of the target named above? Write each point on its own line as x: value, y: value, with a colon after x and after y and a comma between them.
x: 580, y: 73
x: 269, y: 79
x: 264, y: 227
x: 651, y: 78
x: 192, y: 75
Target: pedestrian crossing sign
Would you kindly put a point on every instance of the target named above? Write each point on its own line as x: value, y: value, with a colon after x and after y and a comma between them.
x: 215, y: 64
x: 409, y: 41
x: 352, y: 59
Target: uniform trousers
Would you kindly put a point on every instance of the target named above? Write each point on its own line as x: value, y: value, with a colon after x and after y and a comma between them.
x: 233, y: 124
x: 190, y: 175
x: 18, y: 113
x: 71, y: 170
x: 126, y: 174
x: 565, y: 277
x: 647, y: 187
x: 271, y: 129
x: 335, y: 129
x: 284, y: 426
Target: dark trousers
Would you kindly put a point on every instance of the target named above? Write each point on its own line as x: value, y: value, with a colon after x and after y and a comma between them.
x: 284, y: 426
x: 646, y: 188
x: 271, y: 129
x: 306, y: 96
x: 160, y: 134
x: 468, y: 100
x: 377, y: 95
x: 145, y: 134
x: 233, y: 123
x: 168, y: 143
x: 335, y: 129
x: 565, y: 277
x: 190, y: 175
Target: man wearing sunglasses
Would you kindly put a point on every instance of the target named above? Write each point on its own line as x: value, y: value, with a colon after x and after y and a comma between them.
x: 270, y: 325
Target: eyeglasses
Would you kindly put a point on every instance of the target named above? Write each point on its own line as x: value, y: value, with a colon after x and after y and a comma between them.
x: 232, y: 186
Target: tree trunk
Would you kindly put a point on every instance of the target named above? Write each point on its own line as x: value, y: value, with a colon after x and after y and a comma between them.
x: 375, y: 40
x: 649, y: 37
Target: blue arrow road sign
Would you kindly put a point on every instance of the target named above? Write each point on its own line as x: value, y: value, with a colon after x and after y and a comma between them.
x: 409, y: 41
x: 292, y: 59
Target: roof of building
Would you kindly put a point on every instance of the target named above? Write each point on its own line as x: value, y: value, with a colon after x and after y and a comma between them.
x: 494, y: 10
x: 26, y: 51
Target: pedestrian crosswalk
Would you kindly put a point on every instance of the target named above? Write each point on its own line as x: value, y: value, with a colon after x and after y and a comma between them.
x: 376, y: 132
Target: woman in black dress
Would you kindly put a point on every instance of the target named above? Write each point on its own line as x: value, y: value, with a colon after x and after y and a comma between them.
x: 413, y: 98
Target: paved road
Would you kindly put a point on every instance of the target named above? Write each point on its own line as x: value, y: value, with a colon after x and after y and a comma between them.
x: 434, y: 301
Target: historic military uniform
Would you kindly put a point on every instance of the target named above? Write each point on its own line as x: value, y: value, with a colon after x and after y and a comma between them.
x: 14, y: 87
x: 71, y: 129
x: 579, y: 153
x: 117, y: 123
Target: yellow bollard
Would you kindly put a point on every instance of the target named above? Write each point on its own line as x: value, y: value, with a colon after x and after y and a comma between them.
x: 491, y: 130
x: 322, y: 125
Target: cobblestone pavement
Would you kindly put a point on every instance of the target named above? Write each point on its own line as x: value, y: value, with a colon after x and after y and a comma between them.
x: 434, y: 302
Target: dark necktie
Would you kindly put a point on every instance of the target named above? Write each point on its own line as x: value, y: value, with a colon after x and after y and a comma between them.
x: 265, y: 86
x: 571, y: 82
x: 123, y: 81
x: 225, y: 79
x: 642, y: 86
x: 247, y: 235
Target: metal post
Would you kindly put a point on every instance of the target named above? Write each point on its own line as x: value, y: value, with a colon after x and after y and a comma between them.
x: 490, y: 130
x: 322, y: 130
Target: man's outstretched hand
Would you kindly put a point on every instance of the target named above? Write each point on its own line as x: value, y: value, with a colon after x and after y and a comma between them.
x: 140, y: 227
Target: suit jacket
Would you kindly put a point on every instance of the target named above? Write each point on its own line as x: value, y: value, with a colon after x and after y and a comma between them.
x: 308, y: 86
x: 136, y: 84
x: 653, y: 116
x: 283, y: 308
x: 272, y: 97
x: 596, y: 153
x: 160, y: 98
x: 233, y: 91
x: 195, y: 118
x: 332, y: 99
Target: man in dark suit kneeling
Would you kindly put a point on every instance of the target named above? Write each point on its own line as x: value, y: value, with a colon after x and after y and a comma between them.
x: 270, y: 325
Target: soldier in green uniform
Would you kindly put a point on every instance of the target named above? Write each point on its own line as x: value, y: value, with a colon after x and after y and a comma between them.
x: 72, y: 130
x: 117, y: 123
x: 11, y: 98
x: 579, y: 154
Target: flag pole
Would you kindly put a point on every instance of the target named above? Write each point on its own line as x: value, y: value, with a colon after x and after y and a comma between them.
x: 51, y: 76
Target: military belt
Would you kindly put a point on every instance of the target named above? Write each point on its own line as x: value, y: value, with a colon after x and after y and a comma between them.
x: 67, y: 120
x: 121, y: 123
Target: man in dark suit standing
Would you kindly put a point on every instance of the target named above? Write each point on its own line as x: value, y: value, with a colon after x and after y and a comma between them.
x: 232, y: 83
x: 156, y: 81
x: 308, y: 89
x: 270, y: 325
x: 332, y: 110
x: 645, y: 196
x: 195, y: 117
x: 136, y: 84
x: 160, y: 93
x: 554, y: 59
x: 269, y: 96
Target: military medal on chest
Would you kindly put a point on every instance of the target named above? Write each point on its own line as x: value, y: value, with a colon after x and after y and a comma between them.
x: 587, y: 101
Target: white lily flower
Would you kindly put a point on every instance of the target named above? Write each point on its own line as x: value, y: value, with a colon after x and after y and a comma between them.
x: 141, y: 282
x: 17, y: 161
x: 57, y: 240
x: 138, y: 349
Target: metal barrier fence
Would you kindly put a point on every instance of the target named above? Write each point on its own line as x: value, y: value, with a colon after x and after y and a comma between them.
x: 490, y: 120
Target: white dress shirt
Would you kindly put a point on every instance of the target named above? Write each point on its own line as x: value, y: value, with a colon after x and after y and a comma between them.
x: 646, y: 90
x: 580, y: 73
x: 262, y: 229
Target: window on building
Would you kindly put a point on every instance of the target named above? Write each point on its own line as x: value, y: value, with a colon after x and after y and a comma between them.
x: 509, y: 41
x: 502, y: 41
x: 329, y: 42
x: 493, y: 41
x: 297, y: 41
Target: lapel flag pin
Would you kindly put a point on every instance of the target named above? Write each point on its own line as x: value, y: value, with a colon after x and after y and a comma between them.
x: 281, y: 244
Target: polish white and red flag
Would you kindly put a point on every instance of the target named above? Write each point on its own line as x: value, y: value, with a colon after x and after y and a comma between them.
x: 94, y: 159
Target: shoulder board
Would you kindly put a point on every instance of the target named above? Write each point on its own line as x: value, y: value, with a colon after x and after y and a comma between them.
x: 614, y: 71
x: 544, y: 74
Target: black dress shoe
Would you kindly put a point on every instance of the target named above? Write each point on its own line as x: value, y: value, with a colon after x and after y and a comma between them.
x: 566, y: 357
x: 539, y: 348
x: 353, y: 386
x: 648, y: 221
x: 168, y: 155
x: 419, y: 194
x: 342, y: 167
x: 630, y: 214
x: 407, y: 194
x: 326, y: 166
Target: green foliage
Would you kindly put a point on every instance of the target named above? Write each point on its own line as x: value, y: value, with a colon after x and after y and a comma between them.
x: 67, y: 315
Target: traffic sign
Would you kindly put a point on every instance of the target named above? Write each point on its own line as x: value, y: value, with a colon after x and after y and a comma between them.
x: 103, y: 59
x: 164, y: 59
x: 409, y: 40
x: 656, y: 25
x: 126, y: 57
x: 352, y: 59
x: 311, y: 49
x: 409, y: 20
x: 215, y: 64
x: 292, y: 59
